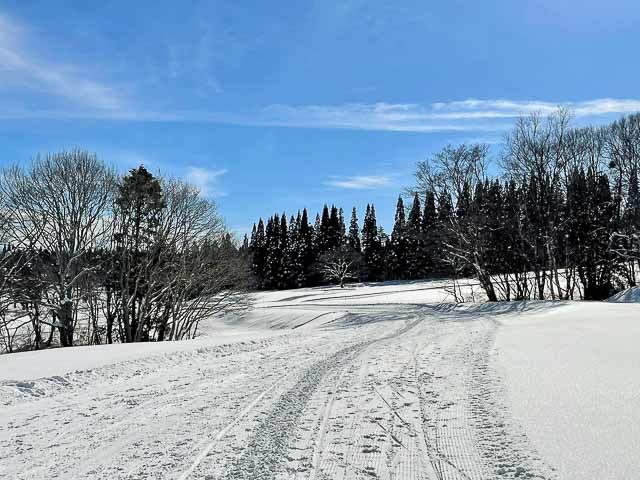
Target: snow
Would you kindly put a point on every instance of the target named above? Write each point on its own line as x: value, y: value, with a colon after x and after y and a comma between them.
x: 630, y: 295
x: 386, y: 380
x: 573, y: 376
x: 59, y: 361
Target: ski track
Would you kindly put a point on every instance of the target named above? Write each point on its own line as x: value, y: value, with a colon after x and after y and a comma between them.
x: 389, y: 392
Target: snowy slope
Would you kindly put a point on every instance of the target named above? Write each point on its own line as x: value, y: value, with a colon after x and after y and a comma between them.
x: 573, y: 377
x: 371, y: 381
x: 630, y: 295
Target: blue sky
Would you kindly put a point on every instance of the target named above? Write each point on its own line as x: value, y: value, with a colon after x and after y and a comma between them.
x: 273, y: 106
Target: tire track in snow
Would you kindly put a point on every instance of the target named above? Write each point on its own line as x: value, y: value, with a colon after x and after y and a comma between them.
x: 266, y: 450
x: 205, y: 451
x: 351, y: 428
x: 468, y: 431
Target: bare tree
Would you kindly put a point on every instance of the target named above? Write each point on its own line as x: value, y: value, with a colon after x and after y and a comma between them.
x: 538, y: 152
x: 340, y: 264
x: 198, y: 268
x: 66, y: 196
x: 176, y: 262
x: 451, y: 169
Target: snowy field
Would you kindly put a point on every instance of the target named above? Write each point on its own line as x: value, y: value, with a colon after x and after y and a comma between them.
x: 385, y: 381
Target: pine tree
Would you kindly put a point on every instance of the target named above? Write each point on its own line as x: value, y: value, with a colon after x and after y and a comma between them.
x: 283, y: 279
x: 291, y: 253
x: 258, y: 254
x: 334, y: 233
x: 372, y: 246
x: 628, y: 242
x: 591, y: 208
x: 514, y: 250
x: 632, y: 208
x: 398, y: 247
x: 342, y: 230
x: 270, y: 239
x: 306, y: 252
x: 445, y: 208
x: 317, y: 233
x: 273, y: 277
x: 139, y: 203
x: 430, y: 253
x: 324, y: 233
x: 442, y: 235
x: 354, y: 232
x: 430, y: 215
x: 463, y: 207
x: 414, y: 254
x: 245, y: 243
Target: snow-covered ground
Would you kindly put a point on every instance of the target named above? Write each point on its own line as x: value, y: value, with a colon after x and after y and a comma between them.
x: 372, y: 381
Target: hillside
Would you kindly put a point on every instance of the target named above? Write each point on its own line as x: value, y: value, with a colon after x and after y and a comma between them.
x: 370, y: 381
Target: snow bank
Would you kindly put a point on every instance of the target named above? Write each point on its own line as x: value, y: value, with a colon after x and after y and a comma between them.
x: 60, y: 361
x: 630, y: 295
x: 572, y: 377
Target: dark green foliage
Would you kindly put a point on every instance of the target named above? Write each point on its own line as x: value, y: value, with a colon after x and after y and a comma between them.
x: 373, y: 250
x: 354, y: 232
x: 398, y: 249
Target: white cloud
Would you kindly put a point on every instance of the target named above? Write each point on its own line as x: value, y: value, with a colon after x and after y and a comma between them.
x: 488, y: 116
x: 467, y: 115
x: 20, y: 65
x: 87, y: 98
x: 359, y: 182
x: 206, y: 180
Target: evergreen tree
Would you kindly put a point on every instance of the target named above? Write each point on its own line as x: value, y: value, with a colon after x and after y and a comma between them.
x: 591, y: 207
x: 354, y: 232
x: 398, y: 248
x: 372, y: 246
x: 632, y: 208
x: 414, y: 249
x: 430, y: 253
x: 627, y: 242
x: 317, y: 233
x: 274, y: 277
x: 258, y: 254
x: 342, y: 227
x: 430, y: 215
x: 245, y: 243
x: 324, y: 234
x: 283, y: 279
x: 334, y: 232
x: 445, y: 208
x: 306, y: 252
x: 463, y: 206
x: 139, y: 203
x: 442, y: 235
x: 291, y: 253
x: 513, y: 250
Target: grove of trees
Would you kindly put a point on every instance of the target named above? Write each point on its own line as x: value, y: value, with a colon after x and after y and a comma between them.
x: 556, y: 216
x: 88, y: 256
x: 92, y: 257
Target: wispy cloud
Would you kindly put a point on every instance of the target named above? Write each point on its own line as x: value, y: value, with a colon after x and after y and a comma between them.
x: 466, y: 115
x: 487, y: 109
x: 83, y: 97
x: 21, y: 66
x: 488, y: 116
x: 206, y: 180
x: 359, y: 182
x: 77, y: 95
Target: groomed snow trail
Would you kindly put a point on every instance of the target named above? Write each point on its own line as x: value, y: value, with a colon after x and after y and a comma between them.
x: 382, y: 391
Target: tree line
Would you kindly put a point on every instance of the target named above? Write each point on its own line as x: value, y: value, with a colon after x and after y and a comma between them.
x: 90, y: 256
x: 556, y: 215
